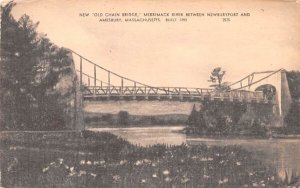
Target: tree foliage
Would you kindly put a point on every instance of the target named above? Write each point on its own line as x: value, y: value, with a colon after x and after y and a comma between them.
x: 216, y: 78
x: 31, y: 66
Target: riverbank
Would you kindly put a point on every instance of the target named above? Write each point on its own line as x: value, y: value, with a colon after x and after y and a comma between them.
x: 124, y: 119
x: 88, y: 159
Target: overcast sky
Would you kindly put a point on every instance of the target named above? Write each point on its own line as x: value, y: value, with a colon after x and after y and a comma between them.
x: 180, y: 53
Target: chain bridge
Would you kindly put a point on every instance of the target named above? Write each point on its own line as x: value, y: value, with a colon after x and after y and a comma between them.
x: 267, y: 87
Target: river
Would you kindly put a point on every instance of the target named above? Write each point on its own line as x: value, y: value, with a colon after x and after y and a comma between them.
x: 282, y: 154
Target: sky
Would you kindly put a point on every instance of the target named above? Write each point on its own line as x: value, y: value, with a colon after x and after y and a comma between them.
x: 175, y: 53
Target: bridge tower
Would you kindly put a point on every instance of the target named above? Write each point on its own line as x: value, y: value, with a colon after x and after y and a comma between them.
x: 274, y: 84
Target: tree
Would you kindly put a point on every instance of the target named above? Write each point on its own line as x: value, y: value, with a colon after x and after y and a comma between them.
x: 123, y: 118
x: 216, y: 78
x: 31, y: 66
x: 196, y: 119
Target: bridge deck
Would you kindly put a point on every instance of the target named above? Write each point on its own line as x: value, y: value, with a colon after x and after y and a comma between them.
x: 93, y: 93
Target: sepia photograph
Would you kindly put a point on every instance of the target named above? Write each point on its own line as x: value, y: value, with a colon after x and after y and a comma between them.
x: 150, y: 94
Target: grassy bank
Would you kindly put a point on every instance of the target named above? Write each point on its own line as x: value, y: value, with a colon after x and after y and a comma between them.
x: 88, y: 159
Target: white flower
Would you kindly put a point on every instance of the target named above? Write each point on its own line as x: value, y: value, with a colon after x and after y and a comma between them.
x: 220, y: 182
x: 225, y: 180
x: 263, y: 185
x: 102, y: 162
x: 122, y: 162
x: 137, y: 163
x: 238, y: 163
x: 154, y: 175
x: 166, y: 172
x: 46, y: 169
x: 185, y: 179
x: 147, y: 161
x: 82, y: 162
x: 96, y: 162
x: 116, y: 178
x: 60, y: 161
x: 88, y: 162
x: 72, y: 173
x: 254, y: 185
x: 143, y: 181
x: 167, y: 179
x: 94, y: 175
x: 203, y: 159
x: 82, y: 172
x: 72, y: 168
x: 205, y: 176
x: 210, y: 159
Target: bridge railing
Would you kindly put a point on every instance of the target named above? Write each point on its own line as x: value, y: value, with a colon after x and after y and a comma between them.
x: 173, y: 92
x: 143, y: 90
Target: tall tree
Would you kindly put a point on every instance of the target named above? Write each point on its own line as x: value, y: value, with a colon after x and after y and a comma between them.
x: 31, y: 66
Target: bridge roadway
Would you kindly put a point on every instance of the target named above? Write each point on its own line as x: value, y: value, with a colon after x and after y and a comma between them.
x: 100, y: 93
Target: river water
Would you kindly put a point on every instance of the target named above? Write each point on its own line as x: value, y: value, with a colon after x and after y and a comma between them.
x: 282, y: 154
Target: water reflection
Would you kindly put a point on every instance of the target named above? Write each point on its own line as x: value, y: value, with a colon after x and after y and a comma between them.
x: 145, y: 136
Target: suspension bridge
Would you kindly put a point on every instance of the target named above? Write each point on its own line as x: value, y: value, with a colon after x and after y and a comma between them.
x: 99, y: 86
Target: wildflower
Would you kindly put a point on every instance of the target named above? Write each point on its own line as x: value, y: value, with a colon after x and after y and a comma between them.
x: 153, y: 164
x: 167, y: 179
x: 221, y: 162
x: 238, y: 163
x: 254, y: 184
x: 72, y: 168
x: 205, y: 176
x: 60, y: 161
x: 185, y: 179
x: 154, y: 175
x: 116, y: 178
x: 88, y: 162
x: 250, y: 174
x: 220, y: 182
x: 102, y: 162
x: 94, y: 175
x: 137, y: 163
x: 166, y: 172
x: 122, y: 162
x: 225, y: 180
x: 82, y: 172
x: 72, y: 173
x: 143, y: 181
x: 53, y: 163
x: 217, y: 154
x: 147, y: 161
x: 46, y: 169
x: 66, y: 167
x: 96, y: 162
x: 210, y: 159
x: 82, y: 162
x: 194, y: 157
x: 263, y: 185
